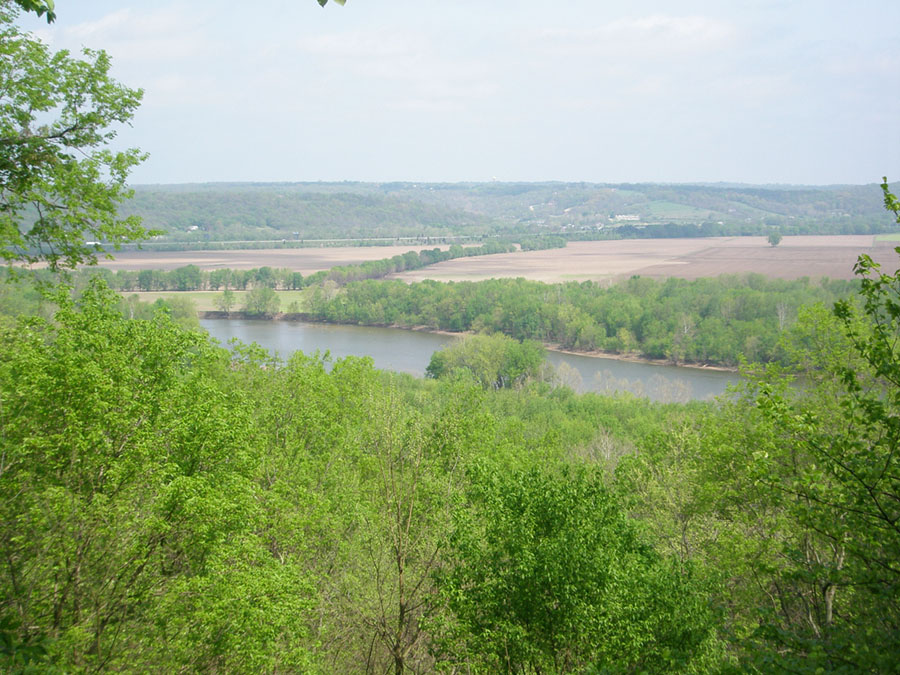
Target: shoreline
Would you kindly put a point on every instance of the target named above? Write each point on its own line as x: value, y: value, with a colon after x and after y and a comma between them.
x: 633, y: 358
x: 595, y: 354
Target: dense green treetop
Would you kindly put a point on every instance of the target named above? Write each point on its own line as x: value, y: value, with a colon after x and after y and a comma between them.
x: 128, y: 500
x: 554, y: 578
x: 494, y: 361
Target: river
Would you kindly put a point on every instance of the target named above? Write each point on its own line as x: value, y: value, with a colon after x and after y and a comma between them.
x: 410, y: 351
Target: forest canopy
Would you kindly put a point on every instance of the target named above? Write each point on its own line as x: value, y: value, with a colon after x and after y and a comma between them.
x: 170, y: 505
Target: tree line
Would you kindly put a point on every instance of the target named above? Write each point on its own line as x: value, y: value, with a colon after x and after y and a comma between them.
x: 207, y: 214
x: 717, y: 321
x: 193, y: 278
x: 542, y: 243
x: 247, y: 212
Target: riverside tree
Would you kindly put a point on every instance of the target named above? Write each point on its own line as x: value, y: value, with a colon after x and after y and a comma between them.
x: 494, y: 361
x: 226, y: 301
x: 262, y: 301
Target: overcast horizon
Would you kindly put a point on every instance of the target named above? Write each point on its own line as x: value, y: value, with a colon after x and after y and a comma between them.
x: 757, y: 92
x: 723, y: 184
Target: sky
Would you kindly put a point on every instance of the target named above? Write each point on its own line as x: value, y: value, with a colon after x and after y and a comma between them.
x: 753, y: 91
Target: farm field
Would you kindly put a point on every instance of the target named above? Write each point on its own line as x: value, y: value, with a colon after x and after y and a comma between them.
x: 303, y: 260
x: 794, y: 257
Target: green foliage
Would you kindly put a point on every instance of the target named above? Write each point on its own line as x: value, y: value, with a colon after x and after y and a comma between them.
x: 18, y: 296
x: 165, y: 505
x: 360, y: 473
x: 542, y: 243
x: 788, y: 496
x: 891, y: 203
x: 39, y: 7
x: 182, y: 311
x: 262, y: 301
x: 774, y: 238
x: 128, y: 513
x: 843, y: 438
x: 716, y: 321
x: 549, y: 575
x: 59, y: 184
x: 696, y: 487
x: 494, y: 361
x: 226, y: 301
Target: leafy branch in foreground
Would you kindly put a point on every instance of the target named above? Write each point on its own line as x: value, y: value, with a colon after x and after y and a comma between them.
x: 60, y: 184
x: 891, y: 203
x: 834, y: 463
x: 39, y: 7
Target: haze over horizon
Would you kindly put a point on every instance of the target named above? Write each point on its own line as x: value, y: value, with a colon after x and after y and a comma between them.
x: 349, y: 181
x: 755, y: 92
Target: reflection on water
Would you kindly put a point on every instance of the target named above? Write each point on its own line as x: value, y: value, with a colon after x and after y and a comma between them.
x: 659, y: 383
x: 410, y: 351
x: 657, y: 387
x: 391, y: 349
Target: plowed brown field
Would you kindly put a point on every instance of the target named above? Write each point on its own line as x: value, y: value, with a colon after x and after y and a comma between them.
x: 795, y: 257
x: 304, y: 260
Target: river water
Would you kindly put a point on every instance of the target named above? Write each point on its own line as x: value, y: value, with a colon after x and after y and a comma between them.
x: 410, y: 351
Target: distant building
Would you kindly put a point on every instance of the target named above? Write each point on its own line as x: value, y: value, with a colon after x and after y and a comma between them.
x: 626, y: 216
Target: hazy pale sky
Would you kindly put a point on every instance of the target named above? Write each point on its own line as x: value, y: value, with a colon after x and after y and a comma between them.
x: 760, y: 91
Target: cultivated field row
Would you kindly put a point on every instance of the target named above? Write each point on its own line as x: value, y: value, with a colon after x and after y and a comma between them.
x: 794, y: 257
